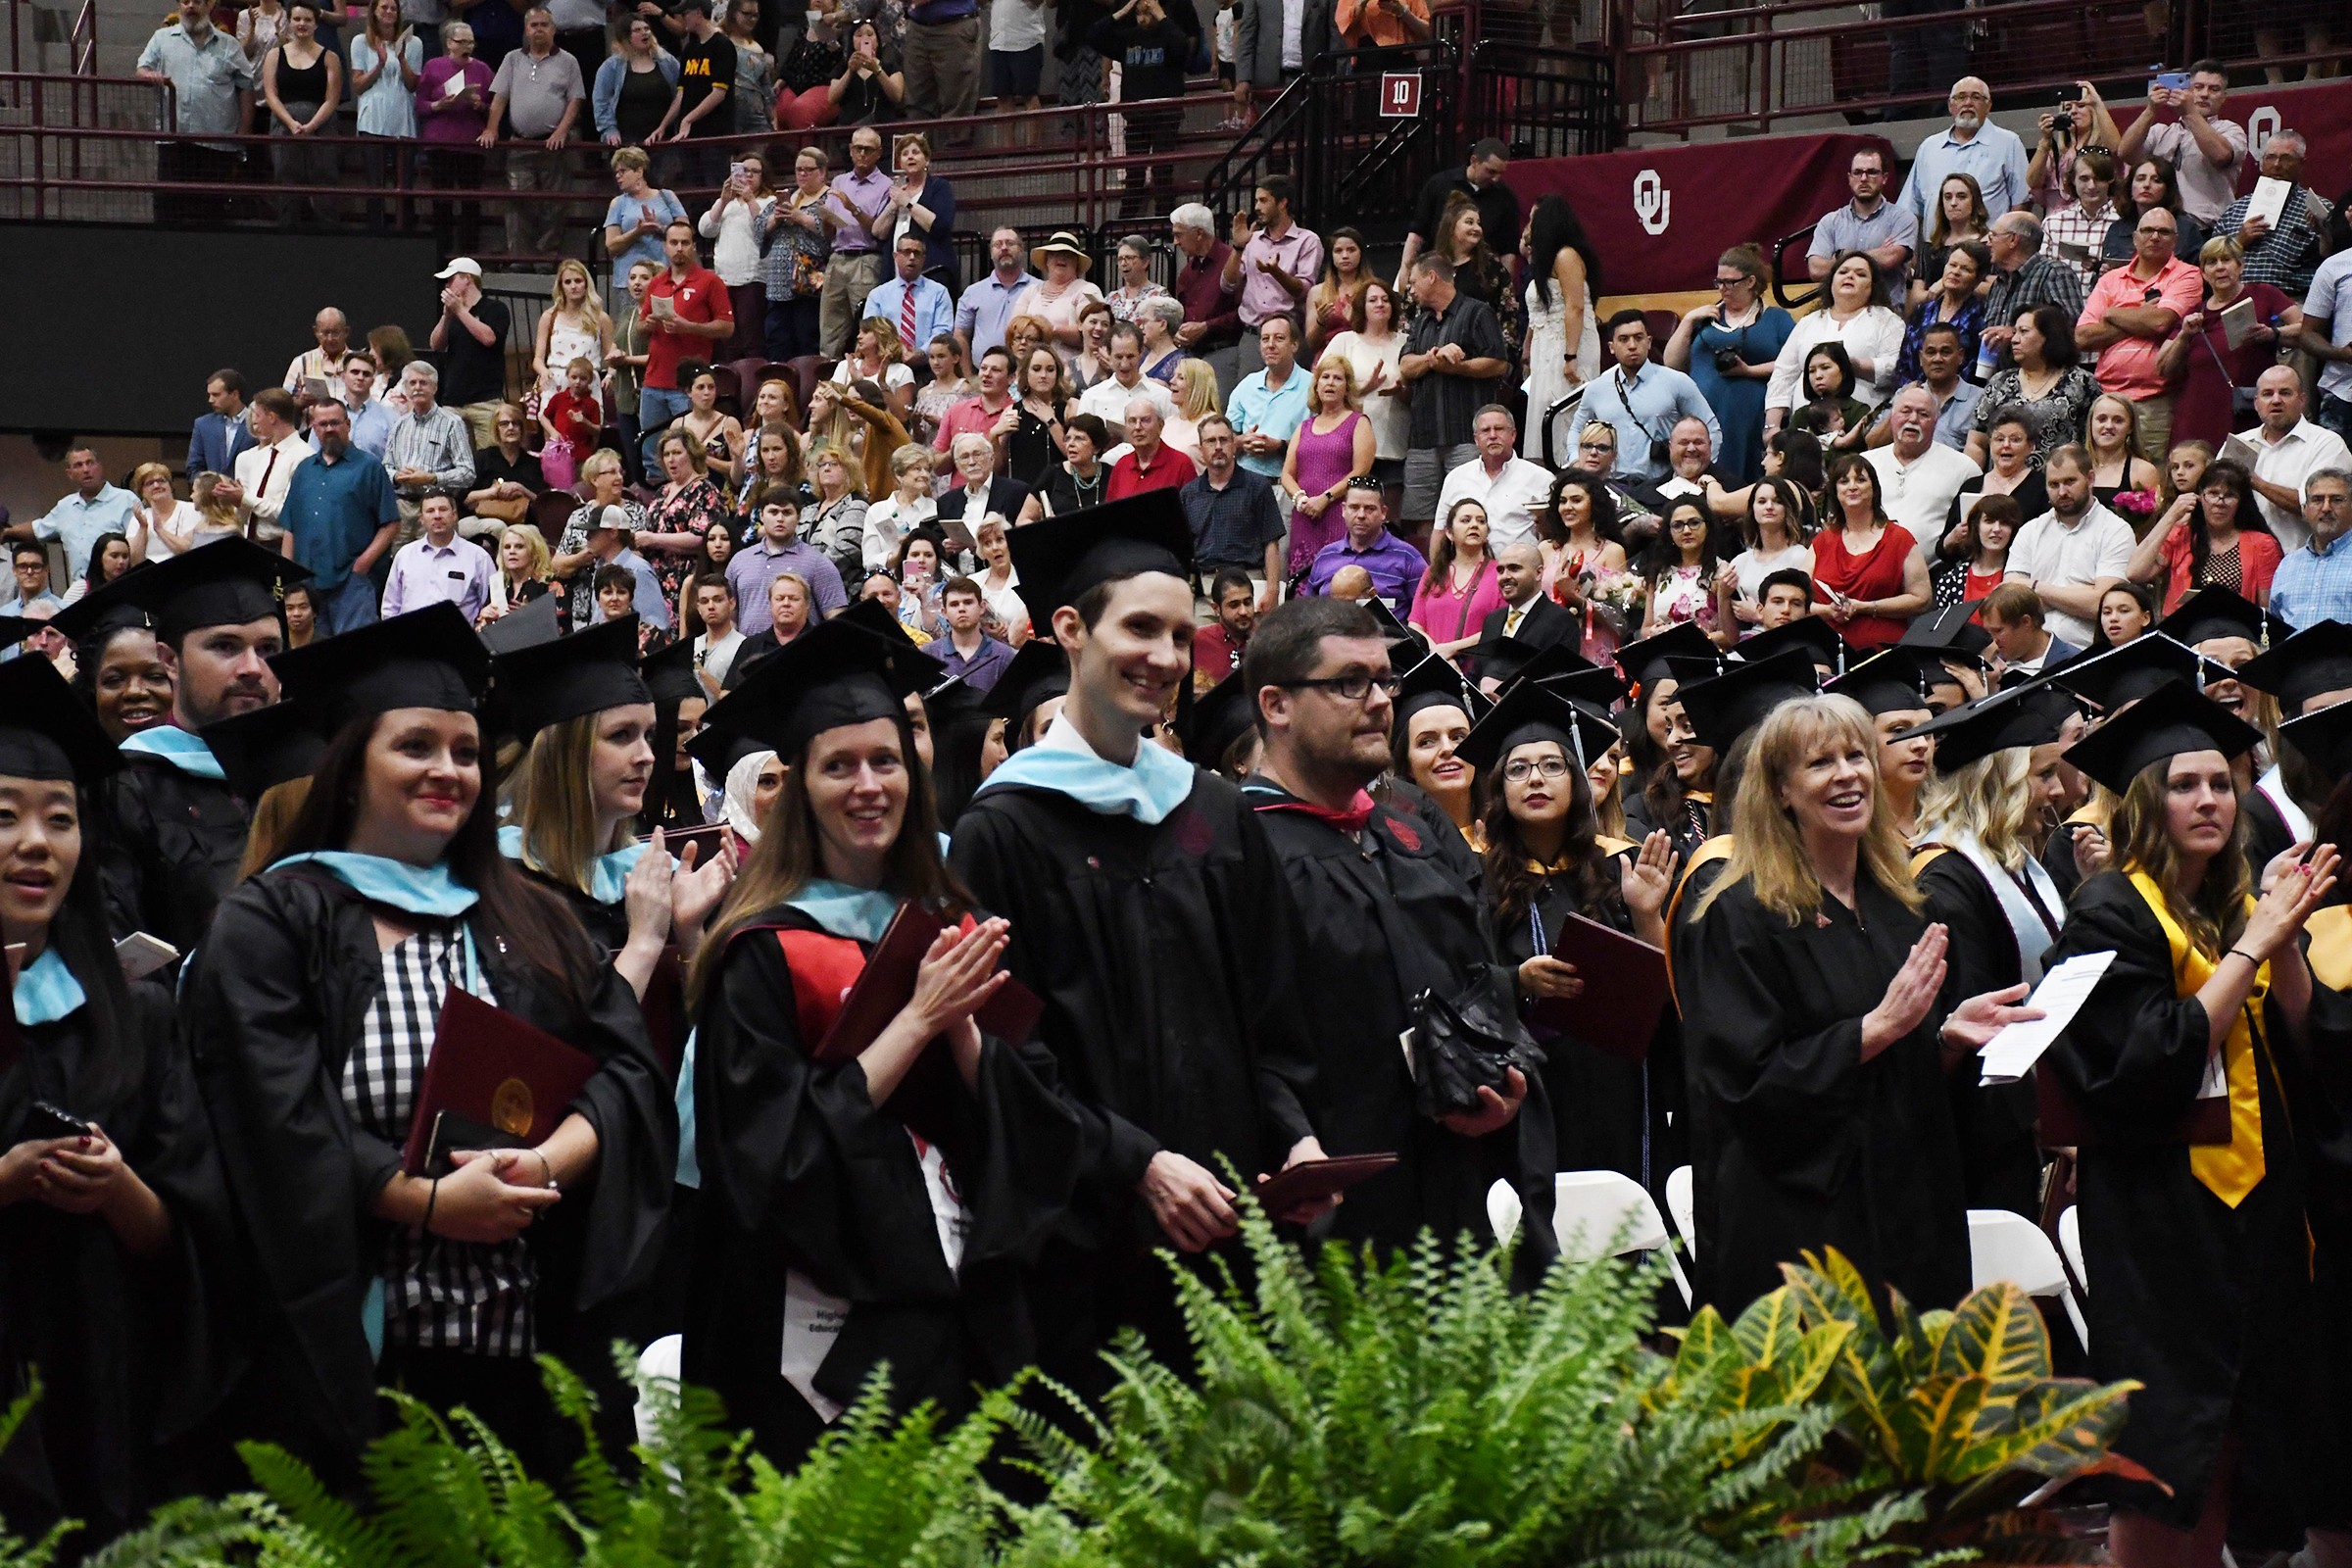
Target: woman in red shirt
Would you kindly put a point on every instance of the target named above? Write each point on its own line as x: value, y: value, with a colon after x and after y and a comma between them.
x: 2210, y: 537
x: 1868, y: 581
x: 2214, y: 380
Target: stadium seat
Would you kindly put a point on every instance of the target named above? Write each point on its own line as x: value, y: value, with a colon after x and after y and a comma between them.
x: 1682, y: 1202
x: 2006, y: 1247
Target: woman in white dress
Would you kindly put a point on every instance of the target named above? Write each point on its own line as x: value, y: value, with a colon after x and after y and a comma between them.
x: 1563, y: 339
x: 1373, y: 349
x: 573, y: 326
x: 1871, y: 333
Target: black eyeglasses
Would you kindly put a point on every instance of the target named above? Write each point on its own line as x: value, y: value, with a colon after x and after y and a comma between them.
x: 1521, y: 771
x: 1353, y: 687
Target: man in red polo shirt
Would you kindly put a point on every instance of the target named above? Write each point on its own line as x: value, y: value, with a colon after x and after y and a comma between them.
x: 687, y: 313
x: 1150, y: 464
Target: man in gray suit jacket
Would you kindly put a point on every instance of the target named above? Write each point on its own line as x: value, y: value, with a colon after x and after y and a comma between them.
x: 1263, y: 58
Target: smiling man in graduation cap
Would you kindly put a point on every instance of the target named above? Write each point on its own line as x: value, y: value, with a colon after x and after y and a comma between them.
x: 1150, y: 913
x: 176, y: 829
x: 1390, y: 912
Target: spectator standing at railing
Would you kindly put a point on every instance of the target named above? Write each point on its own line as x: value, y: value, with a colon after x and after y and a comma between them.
x: 582, y: 32
x: 212, y: 84
x: 1973, y: 145
x: 2205, y: 150
x: 942, y: 54
x: 2287, y: 253
x: 1381, y: 23
x: 755, y: 68
x: 538, y: 94
x: 794, y: 244
x: 860, y: 193
x: 1871, y: 223
x: 922, y: 204
x: 472, y: 335
x: 1481, y: 181
x: 386, y: 66
x: 1150, y: 48
x: 1274, y: 41
x: 1016, y: 59
x: 702, y: 106
x: 633, y: 87
x: 452, y: 104
x: 1643, y: 400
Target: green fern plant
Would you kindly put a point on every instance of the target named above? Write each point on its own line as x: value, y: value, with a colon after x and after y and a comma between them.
x: 15, y: 1550
x: 1419, y: 1412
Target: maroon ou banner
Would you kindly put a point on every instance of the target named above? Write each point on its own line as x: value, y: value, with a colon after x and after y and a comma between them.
x: 1660, y: 216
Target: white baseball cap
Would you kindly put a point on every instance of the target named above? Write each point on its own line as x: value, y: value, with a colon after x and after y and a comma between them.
x: 463, y: 264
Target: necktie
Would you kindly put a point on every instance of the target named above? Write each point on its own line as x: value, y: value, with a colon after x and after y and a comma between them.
x: 1510, y: 622
x: 907, y: 320
x: 261, y: 490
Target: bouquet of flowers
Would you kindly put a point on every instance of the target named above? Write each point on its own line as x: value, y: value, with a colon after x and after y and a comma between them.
x: 1616, y: 597
x: 2135, y: 507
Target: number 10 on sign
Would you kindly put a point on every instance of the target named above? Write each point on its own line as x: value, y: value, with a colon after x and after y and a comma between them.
x: 1399, y: 95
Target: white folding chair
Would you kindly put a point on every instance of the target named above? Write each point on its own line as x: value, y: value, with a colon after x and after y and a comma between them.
x: 1503, y: 1212
x: 2006, y: 1247
x: 1683, y: 1203
x: 1599, y: 1212
x: 2070, y: 1243
x: 663, y: 1362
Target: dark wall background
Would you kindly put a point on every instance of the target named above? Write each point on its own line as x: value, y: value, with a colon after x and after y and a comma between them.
x: 125, y: 323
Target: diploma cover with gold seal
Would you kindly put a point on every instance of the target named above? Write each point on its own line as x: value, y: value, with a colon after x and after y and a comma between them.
x: 492, y: 1082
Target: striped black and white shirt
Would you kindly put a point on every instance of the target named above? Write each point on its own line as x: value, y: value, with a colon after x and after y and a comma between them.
x: 438, y: 1293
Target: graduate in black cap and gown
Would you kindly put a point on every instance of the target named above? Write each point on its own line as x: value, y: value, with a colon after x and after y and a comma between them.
x: 1224, y: 737
x: 310, y: 1012
x: 587, y: 719
x: 1819, y: 1029
x: 838, y: 1228
x: 2198, y: 1253
x: 2109, y: 683
x: 1986, y: 818
x: 672, y: 803
x: 1150, y: 913
x: 1674, y: 774
x: 2302, y: 674
x: 1545, y: 861
x: 1389, y: 912
x: 175, y: 829
x: 97, y: 1284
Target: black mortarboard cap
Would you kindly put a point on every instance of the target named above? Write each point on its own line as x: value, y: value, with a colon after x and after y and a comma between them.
x: 671, y: 675
x: 1060, y: 557
x: 1528, y: 713
x: 1728, y: 706
x: 428, y: 657
x: 1039, y: 670
x: 226, y: 583
x: 1951, y: 632
x: 267, y: 747
x: 109, y: 608
x: 1893, y: 680
x: 539, y: 622
x: 1434, y: 682
x: 586, y: 672
x: 1394, y: 630
x: 719, y: 747
x: 2176, y: 718
x: 1809, y: 633
x: 1598, y: 688
x: 872, y: 615
x: 2126, y: 674
x: 1645, y: 662
x: 2025, y: 715
x: 1510, y: 658
x: 1223, y: 715
x: 2214, y: 612
x: 46, y: 732
x: 827, y: 677
x: 2317, y: 658
x: 2324, y: 738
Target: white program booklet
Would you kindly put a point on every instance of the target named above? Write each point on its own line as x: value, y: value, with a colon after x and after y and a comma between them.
x: 2269, y: 201
x: 2011, y: 1053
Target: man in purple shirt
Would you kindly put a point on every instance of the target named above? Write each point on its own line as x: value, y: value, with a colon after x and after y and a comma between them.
x: 855, y: 270
x: 776, y: 551
x: 1274, y: 263
x: 1394, y: 567
x: 439, y: 564
x: 966, y: 649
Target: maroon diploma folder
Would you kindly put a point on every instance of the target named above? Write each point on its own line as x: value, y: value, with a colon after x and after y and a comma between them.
x: 1317, y: 1178
x: 493, y: 1082
x: 1624, y: 989
x: 2064, y: 1125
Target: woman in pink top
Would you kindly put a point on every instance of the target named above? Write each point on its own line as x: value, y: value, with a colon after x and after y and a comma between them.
x: 1331, y: 445
x: 1459, y: 590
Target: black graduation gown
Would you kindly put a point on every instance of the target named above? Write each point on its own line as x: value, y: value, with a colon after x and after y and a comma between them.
x: 274, y: 1005
x: 2267, y: 834
x: 2323, y: 1128
x: 1797, y: 1143
x: 2000, y: 1152
x: 1166, y: 957
x: 801, y: 1171
x: 1607, y: 1114
x: 2207, y: 1305
x: 172, y: 847
x: 1387, y: 913
x: 1640, y: 826
x: 108, y: 1334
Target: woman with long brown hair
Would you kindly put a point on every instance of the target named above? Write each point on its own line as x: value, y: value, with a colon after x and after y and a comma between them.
x: 1818, y: 1030
x: 2199, y: 1248
x: 864, y: 1209
x: 312, y: 1007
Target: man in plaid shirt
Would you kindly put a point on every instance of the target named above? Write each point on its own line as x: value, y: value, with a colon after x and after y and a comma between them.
x: 2284, y: 256
x: 2023, y: 280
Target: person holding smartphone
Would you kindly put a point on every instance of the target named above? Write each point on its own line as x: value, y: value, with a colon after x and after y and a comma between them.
x: 2206, y: 150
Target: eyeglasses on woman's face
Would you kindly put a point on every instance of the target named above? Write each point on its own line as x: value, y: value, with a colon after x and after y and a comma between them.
x: 1521, y: 770
x: 1736, y: 280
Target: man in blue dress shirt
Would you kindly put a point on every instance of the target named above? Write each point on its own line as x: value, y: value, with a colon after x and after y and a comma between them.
x: 912, y: 301
x: 1643, y: 402
x: 1973, y: 146
x: 219, y: 436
